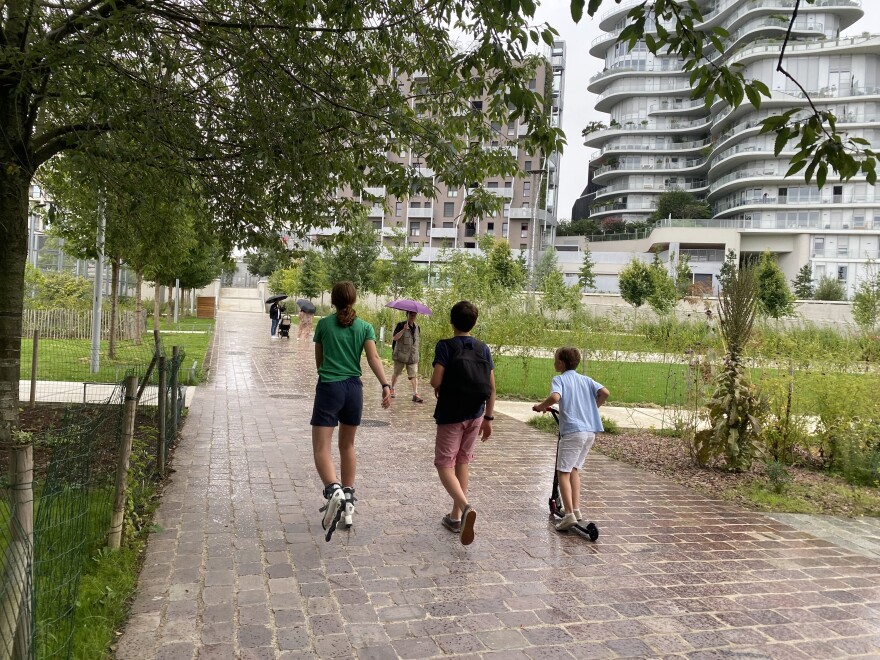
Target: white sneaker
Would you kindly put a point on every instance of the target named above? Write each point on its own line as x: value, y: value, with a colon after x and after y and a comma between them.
x: 566, y: 523
x: 348, y: 511
x: 578, y: 515
x: 332, y: 508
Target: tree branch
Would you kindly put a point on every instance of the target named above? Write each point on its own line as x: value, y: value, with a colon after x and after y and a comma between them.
x: 55, y: 141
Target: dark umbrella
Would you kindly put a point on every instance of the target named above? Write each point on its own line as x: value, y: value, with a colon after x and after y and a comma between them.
x: 275, y: 298
x: 405, y: 305
x: 306, y: 306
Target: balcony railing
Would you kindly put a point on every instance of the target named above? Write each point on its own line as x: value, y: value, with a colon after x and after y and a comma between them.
x: 419, y: 212
x: 698, y: 255
x: 653, y: 165
x: 846, y: 253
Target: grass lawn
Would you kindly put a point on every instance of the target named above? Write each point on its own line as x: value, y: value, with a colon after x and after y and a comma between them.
x: 662, y: 384
x: 69, y: 359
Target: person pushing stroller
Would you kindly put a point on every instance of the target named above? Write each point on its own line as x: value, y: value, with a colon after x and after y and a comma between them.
x: 579, y: 398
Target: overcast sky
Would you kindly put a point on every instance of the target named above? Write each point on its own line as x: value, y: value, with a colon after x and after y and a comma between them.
x: 580, y: 65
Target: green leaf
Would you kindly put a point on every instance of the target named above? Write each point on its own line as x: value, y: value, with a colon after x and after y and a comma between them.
x: 577, y: 10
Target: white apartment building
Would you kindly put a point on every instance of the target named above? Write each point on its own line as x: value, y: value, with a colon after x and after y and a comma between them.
x: 527, y: 220
x: 660, y: 139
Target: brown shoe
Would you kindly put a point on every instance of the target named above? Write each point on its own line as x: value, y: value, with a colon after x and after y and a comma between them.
x: 417, y: 399
x: 468, y: 518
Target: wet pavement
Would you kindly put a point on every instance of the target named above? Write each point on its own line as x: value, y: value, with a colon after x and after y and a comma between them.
x: 240, y: 568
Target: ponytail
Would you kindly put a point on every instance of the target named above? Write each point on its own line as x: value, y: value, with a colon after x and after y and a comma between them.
x: 342, y: 297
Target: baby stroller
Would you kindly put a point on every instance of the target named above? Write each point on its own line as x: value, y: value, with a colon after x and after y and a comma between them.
x: 588, y: 530
x: 284, y: 326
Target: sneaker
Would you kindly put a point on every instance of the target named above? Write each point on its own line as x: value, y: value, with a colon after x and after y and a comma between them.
x: 577, y: 514
x: 332, y: 508
x: 468, y: 518
x: 566, y: 523
x: 450, y: 524
x: 417, y: 399
x: 348, y: 512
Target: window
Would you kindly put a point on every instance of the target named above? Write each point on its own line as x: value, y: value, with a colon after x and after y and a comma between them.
x: 398, y: 208
x: 492, y: 185
x: 524, y: 230
x: 490, y: 228
x: 508, y: 185
x: 858, y: 222
x: 511, y: 128
x: 533, y: 84
x: 469, y: 244
x: 818, y: 271
x: 841, y: 273
x: 415, y: 205
x: 448, y: 209
x: 843, y: 246
x: 523, y: 246
x: 452, y: 193
x: 447, y: 225
x: 415, y: 228
x: 377, y: 225
x: 527, y: 166
x: 506, y: 209
x: 527, y: 188
x: 504, y: 229
x: 470, y: 229
x: 818, y: 246
x: 837, y: 197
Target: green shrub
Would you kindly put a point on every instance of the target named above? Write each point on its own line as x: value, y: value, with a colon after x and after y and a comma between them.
x: 543, y: 423
x: 778, y: 476
x: 610, y: 426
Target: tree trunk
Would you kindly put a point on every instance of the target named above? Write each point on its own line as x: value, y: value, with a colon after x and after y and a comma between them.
x: 114, y: 305
x: 169, y: 313
x: 13, y: 257
x: 138, y: 305
x: 157, y: 292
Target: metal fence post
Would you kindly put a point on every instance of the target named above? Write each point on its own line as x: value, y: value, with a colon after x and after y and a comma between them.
x: 163, y: 400
x: 15, y: 608
x: 175, y: 398
x: 114, y: 540
x: 34, y: 368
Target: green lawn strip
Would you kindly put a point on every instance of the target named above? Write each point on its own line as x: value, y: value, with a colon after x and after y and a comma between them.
x: 69, y: 359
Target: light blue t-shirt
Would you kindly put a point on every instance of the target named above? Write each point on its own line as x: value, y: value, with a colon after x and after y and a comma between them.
x: 578, y: 410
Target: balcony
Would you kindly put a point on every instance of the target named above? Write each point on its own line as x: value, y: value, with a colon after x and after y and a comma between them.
x: 420, y: 212
x: 846, y: 253
x: 698, y: 255
x: 506, y: 193
x: 540, y: 215
x: 424, y: 171
x: 444, y: 232
x: 376, y: 211
x: 378, y: 191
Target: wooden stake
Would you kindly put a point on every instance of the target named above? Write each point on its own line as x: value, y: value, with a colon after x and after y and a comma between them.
x: 163, y: 402
x: 114, y: 540
x: 34, y: 369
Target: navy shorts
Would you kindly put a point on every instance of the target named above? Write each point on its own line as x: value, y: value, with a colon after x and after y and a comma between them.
x: 336, y: 403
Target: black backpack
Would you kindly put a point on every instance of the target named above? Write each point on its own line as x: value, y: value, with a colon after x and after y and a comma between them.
x: 467, y: 381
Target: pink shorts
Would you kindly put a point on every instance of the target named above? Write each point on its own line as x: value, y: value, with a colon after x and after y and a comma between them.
x: 455, y: 443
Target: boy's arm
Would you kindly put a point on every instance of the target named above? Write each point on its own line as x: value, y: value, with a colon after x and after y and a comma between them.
x: 319, y: 355
x: 437, y: 377
x: 486, y: 426
x: 547, y: 403
x: 602, y: 396
x: 378, y: 370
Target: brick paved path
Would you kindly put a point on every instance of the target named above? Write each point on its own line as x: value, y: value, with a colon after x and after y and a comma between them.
x: 241, y: 569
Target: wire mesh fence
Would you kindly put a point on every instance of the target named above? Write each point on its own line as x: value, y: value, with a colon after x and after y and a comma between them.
x: 63, y: 486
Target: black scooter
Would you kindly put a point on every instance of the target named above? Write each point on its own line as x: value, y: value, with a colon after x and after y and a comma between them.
x: 588, y: 531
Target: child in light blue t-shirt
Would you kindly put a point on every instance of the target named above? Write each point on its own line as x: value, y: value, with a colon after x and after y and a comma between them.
x: 579, y: 398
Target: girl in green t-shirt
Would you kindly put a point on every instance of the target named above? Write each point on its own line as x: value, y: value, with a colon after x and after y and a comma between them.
x: 339, y: 341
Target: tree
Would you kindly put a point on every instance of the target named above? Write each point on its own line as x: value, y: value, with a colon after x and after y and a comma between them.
x: 268, y: 110
x: 636, y: 284
x: 680, y: 205
x: 284, y: 281
x: 353, y: 256
x: 829, y: 288
x: 546, y: 265
x: 268, y: 257
x: 586, y: 275
x: 400, y: 276
x: 803, y: 283
x: 505, y: 271
x: 582, y: 227
x: 312, y: 277
x: 866, y: 301
x: 558, y: 295
x: 684, y: 277
x: 774, y: 297
x: 728, y: 268
x: 664, y: 295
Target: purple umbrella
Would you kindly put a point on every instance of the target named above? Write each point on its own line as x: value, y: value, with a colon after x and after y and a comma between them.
x: 405, y: 305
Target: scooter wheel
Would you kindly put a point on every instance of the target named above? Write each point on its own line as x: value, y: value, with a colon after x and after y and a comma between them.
x: 593, y: 531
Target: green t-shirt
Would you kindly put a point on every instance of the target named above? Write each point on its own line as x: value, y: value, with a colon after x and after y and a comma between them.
x: 342, y: 348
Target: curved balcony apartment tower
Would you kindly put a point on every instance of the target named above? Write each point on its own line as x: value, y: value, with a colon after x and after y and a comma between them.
x: 659, y: 139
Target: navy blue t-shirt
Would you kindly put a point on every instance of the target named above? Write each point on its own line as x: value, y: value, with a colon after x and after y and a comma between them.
x: 441, y: 357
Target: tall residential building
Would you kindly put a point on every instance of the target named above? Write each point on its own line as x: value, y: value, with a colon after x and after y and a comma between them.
x: 660, y: 139
x: 528, y: 218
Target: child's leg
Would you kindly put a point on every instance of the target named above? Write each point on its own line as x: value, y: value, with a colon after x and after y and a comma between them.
x: 450, y: 479
x: 565, y: 490
x: 575, y: 486
x: 347, y: 455
x: 321, y: 438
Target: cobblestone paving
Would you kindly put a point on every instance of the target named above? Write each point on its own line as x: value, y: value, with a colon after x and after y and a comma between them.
x: 241, y: 569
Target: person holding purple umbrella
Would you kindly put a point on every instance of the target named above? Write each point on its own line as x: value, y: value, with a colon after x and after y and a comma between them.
x: 405, y: 353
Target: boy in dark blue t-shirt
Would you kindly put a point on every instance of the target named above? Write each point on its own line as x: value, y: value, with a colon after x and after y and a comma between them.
x: 464, y: 384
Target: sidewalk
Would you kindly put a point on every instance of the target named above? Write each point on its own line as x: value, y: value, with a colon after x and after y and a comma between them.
x: 626, y: 418
x: 240, y: 568
x: 60, y: 391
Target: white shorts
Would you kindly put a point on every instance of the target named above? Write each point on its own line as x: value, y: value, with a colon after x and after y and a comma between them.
x: 573, y: 450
